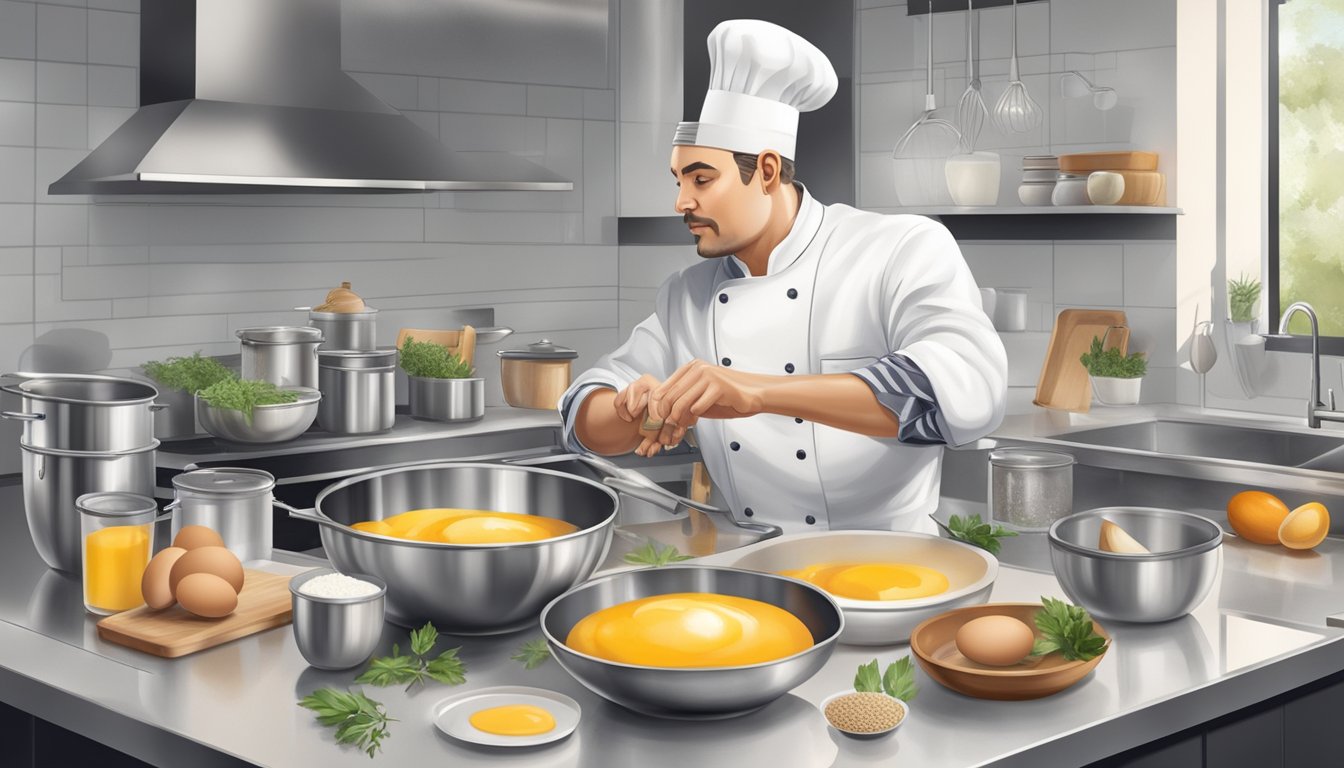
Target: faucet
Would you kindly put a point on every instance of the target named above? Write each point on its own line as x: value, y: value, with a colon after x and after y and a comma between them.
x: 1316, y: 410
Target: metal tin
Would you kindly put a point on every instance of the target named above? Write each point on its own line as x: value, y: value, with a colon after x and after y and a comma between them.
x: 286, y: 356
x: 234, y: 502
x: 71, y: 412
x: 446, y: 399
x: 1030, y: 489
x: 337, y: 632
x: 358, y: 390
x: 346, y: 330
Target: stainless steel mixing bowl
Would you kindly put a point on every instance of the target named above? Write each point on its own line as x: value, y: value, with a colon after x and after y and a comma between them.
x: 1186, y: 550
x: 695, y: 693
x: 466, y: 589
x: 337, y: 632
x: 270, y: 423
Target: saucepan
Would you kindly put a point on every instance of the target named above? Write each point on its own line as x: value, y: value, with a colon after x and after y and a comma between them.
x: 476, y: 589
x: 83, y: 412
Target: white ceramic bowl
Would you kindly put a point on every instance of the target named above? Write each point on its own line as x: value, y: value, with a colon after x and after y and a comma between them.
x: 970, y: 572
x: 1033, y: 193
x: 973, y: 179
x: 905, y: 708
x: 1070, y: 191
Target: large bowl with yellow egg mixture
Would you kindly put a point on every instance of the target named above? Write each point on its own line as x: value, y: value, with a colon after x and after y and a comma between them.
x: 466, y: 589
x: 686, y: 692
x: 969, y: 572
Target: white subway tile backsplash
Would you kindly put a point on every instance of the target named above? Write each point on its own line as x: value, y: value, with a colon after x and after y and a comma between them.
x: 113, y: 86
x: 398, y: 91
x: 62, y: 126
x: 116, y: 282
x: 647, y: 266
x: 16, y: 224
x: 646, y: 188
x: 49, y: 306
x: 18, y: 78
x: 74, y: 256
x: 1103, y: 25
x: 61, y: 83
x: 61, y: 225
x: 1150, y: 274
x: 17, y: 123
x: 575, y: 315
x: 1013, y: 265
x: 484, y: 133
x: 480, y: 97
x: 209, y: 225
x: 18, y: 30
x: 1153, y: 331
x: 114, y: 38
x: 16, y: 261
x: 599, y: 105
x: 1089, y: 275
x: 152, y: 331
x: 1159, y: 386
x: 1026, y: 354
x: 454, y: 226
x: 554, y: 101
x: 427, y: 96
x: 428, y: 121
x: 61, y: 33
x: 48, y: 260
x: 877, y: 182
x: 106, y: 255
x: 599, y: 182
x: 130, y: 307
x: 104, y: 120
x: 16, y: 299
x: 129, y: 6
x: 16, y: 180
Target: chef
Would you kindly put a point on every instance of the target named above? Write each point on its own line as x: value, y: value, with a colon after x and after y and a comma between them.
x: 825, y: 355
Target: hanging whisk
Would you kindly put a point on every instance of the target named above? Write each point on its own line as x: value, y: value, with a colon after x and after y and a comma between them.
x: 1016, y: 111
x: 922, y: 151
x: 971, y: 110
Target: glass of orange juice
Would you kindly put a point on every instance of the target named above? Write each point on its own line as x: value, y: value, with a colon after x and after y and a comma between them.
x: 117, y: 539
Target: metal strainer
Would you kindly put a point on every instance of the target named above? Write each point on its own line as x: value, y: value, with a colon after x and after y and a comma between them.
x: 922, y: 151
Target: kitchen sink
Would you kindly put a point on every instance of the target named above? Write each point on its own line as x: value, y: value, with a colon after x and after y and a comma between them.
x: 1219, y: 441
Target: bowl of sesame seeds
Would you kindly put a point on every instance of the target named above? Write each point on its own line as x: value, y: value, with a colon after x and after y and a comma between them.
x: 864, y: 715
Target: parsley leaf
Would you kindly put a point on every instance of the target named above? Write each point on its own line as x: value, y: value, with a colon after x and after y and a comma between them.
x: 972, y: 530
x: 1067, y: 629
x: 396, y: 669
x: 447, y: 668
x: 868, y: 679
x: 899, y: 680
x: 360, y: 721
x: 533, y: 654
x: 423, y: 639
x: 650, y: 554
x: 391, y: 670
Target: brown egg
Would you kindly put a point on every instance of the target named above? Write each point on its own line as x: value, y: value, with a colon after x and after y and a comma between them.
x: 154, y: 586
x: 216, y: 561
x: 206, y: 594
x: 193, y: 536
x: 995, y: 641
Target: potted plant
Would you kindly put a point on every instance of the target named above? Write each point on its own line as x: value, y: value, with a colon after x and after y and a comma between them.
x: 442, y: 386
x: 1243, y: 301
x: 1115, y: 376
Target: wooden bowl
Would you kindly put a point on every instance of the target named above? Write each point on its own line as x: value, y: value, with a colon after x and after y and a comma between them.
x: 1086, y: 162
x: 933, y: 643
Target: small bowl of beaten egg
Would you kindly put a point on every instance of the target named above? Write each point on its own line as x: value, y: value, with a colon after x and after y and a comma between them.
x: 885, y: 582
x: 692, y: 642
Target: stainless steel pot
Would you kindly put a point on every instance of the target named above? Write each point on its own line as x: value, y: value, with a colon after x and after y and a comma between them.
x: 233, y: 502
x: 337, y: 632
x: 358, y: 387
x: 53, y: 479
x: 480, y: 589
x: 537, y: 375
x: 446, y: 399
x: 345, y: 330
x: 286, y: 356
x: 1186, y: 550
x: 693, y: 693
x: 70, y: 412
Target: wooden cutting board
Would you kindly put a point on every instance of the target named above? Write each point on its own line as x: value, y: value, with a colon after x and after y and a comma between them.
x: 460, y: 342
x: 1064, y: 383
x: 264, y: 603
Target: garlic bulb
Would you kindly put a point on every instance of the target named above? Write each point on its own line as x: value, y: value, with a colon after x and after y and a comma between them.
x: 341, y: 299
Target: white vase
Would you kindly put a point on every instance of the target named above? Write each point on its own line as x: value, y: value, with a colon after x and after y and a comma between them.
x: 1110, y: 390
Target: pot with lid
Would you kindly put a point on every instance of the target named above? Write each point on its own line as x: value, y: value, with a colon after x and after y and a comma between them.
x: 286, y: 356
x: 84, y: 412
x: 358, y: 390
x: 232, y: 501
x: 537, y: 375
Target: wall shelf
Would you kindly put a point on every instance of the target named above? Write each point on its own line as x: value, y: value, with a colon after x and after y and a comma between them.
x: 1021, y: 210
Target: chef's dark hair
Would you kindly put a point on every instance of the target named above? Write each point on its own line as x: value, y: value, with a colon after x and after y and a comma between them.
x: 746, y: 167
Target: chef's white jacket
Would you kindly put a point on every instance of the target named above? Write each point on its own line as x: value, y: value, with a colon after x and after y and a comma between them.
x: 887, y: 298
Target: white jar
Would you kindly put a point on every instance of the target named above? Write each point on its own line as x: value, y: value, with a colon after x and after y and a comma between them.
x: 1070, y: 190
x: 1105, y: 187
x: 973, y: 179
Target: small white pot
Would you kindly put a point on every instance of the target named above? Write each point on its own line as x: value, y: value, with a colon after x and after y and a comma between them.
x: 973, y: 179
x: 1110, y: 390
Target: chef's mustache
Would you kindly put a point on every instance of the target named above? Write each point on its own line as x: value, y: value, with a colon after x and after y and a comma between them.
x: 693, y: 220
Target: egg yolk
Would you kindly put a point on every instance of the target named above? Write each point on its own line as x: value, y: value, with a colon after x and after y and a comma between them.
x: 513, y: 720
x: 467, y: 526
x: 690, y: 629
x: 874, y: 581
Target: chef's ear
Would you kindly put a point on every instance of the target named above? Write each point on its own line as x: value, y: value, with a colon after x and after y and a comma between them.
x: 769, y: 164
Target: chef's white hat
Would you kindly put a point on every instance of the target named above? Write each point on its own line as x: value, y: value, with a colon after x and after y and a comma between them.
x: 761, y: 76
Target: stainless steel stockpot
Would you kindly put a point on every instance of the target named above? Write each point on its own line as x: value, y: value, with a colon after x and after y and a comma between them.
x: 54, y: 479
x: 1186, y: 550
x: 337, y: 632
x: 346, y: 330
x: 466, y: 589
x: 286, y: 356
x: 234, y: 502
x: 446, y: 399
x: 79, y: 412
x: 358, y: 390
x: 693, y: 693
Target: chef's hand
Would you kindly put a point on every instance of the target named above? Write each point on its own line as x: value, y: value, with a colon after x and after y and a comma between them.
x: 632, y: 405
x: 701, y: 389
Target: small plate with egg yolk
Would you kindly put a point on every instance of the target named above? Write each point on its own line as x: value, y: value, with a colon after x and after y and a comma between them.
x: 507, y: 716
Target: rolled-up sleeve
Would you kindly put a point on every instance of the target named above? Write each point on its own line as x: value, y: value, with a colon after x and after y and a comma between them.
x: 902, y: 388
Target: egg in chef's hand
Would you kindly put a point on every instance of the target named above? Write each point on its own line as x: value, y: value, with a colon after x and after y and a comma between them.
x: 154, y: 585
x: 995, y: 641
x: 193, y: 536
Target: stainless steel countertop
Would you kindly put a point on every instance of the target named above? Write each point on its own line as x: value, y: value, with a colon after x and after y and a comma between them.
x: 1261, y: 632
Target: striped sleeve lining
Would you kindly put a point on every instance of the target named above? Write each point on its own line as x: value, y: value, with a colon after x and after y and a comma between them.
x: 902, y: 388
x: 569, y: 411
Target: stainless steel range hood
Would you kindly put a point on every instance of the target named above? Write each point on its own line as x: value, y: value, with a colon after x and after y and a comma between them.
x: 249, y: 96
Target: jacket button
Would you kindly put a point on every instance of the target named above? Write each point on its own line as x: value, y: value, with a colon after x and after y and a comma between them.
x: 726, y: 362
x: 788, y: 367
x: 801, y: 454
x: 748, y: 512
x: 810, y: 520
x: 793, y: 293
x: 736, y: 446
x: 795, y: 418
x: 723, y: 298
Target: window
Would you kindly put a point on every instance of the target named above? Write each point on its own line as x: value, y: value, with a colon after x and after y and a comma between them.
x: 1306, y: 163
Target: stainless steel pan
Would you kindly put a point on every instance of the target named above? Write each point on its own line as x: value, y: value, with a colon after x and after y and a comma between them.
x: 83, y: 412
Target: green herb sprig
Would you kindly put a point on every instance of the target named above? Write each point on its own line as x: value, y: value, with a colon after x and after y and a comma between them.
x: 245, y: 394
x: 412, y: 669
x: 1242, y: 293
x: 190, y: 374
x: 897, y: 682
x: 428, y: 360
x: 650, y: 554
x: 1067, y: 629
x: 359, y: 720
x: 1112, y: 362
x: 972, y: 530
x: 533, y: 654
